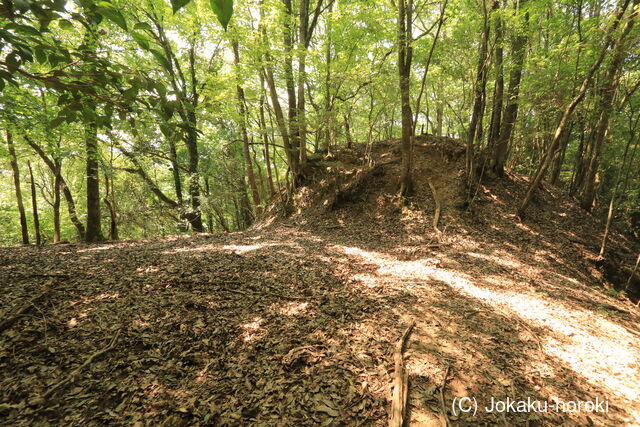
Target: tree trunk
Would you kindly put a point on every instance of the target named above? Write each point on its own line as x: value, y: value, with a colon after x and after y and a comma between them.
x: 498, y: 92
x: 34, y: 206
x: 501, y: 148
x: 56, y: 167
x: 291, y: 91
x: 302, y: 76
x: 607, y: 92
x: 173, y: 153
x: 614, y: 196
x: 475, y: 126
x: 568, y: 111
x: 194, y: 216
x: 347, y: 131
x: 57, y: 184
x: 109, y: 201
x: 291, y: 153
x: 265, y: 139
x: 243, y: 129
x: 405, y: 56
x: 16, y: 182
x: 559, y: 158
x: 93, y: 233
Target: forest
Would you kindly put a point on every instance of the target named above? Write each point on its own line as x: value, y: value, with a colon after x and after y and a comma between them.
x: 319, y: 212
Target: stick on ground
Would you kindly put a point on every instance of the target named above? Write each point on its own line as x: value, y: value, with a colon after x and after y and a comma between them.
x: 88, y: 361
x: 436, y: 215
x: 443, y: 406
x: 400, y: 382
x: 12, y: 317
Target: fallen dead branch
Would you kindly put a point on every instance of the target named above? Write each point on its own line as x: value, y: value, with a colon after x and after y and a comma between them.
x: 69, y: 378
x: 11, y: 318
x: 400, y: 382
x: 443, y: 406
x: 436, y: 215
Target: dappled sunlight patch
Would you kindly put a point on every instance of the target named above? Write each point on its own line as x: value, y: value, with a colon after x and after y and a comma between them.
x: 201, y: 248
x: 148, y: 269
x: 502, y: 259
x: 95, y: 249
x: 239, y: 249
x: 95, y: 298
x: 140, y: 324
x: 293, y: 308
x: 604, y: 353
x: 253, y: 330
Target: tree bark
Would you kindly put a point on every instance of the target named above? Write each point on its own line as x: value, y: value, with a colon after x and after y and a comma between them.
x: 16, y: 183
x: 405, y: 56
x: 291, y: 91
x: 265, y: 139
x: 34, y: 206
x: 93, y: 233
x: 501, y: 148
x: 498, y: 92
x: 57, y: 184
x: 475, y: 126
x: 243, y: 129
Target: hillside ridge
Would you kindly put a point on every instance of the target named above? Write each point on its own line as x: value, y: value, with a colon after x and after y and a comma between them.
x: 294, y: 321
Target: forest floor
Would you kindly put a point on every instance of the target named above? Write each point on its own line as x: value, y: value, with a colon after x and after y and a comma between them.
x: 294, y: 321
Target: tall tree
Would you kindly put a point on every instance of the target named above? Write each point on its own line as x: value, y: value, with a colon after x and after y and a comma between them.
x: 405, y: 57
x: 93, y: 231
x: 518, y: 52
x: 16, y: 183
x: 242, y: 110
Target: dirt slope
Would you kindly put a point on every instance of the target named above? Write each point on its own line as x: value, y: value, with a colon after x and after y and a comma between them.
x: 294, y: 321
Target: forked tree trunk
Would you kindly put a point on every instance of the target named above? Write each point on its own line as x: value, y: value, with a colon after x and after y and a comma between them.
x: 56, y: 168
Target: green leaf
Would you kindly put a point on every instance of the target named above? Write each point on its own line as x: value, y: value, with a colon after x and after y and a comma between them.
x: 24, y: 29
x: 41, y: 55
x: 178, y: 4
x: 65, y: 24
x: 142, y: 26
x: 161, y: 59
x: 141, y: 39
x: 57, y: 121
x: 131, y: 93
x: 110, y: 12
x: 223, y: 10
x: 1, y: 85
